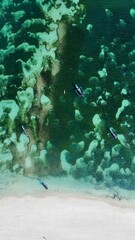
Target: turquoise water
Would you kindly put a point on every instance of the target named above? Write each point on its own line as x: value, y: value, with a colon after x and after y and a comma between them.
x: 46, y: 127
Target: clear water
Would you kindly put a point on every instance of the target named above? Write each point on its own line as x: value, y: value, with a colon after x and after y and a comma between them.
x: 91, y: 138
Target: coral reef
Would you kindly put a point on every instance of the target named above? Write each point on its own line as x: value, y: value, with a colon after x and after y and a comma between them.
x: 106, y: 73
x: 31, y: 35
x: 46, y: 128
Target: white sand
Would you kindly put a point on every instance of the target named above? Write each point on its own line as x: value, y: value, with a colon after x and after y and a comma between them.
x: 56, y: 215
x: 64, y: 218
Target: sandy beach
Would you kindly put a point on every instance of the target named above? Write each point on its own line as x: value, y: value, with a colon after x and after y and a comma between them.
x: 62, y: 215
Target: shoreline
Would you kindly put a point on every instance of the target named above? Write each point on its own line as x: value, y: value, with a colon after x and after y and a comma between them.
x: 62, y: 187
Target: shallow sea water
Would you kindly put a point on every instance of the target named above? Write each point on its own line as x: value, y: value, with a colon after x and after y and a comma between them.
x: 90, y: 175
x: 108, y: 45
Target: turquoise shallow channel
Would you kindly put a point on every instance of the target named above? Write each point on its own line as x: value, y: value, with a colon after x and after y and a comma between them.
x: 67, y: 91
